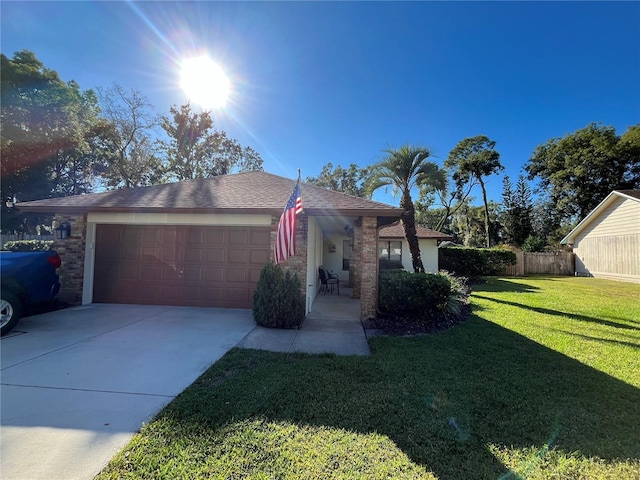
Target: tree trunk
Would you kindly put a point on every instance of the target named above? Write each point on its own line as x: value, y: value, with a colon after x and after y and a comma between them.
x: 486, y: 214
x: 409, y: 224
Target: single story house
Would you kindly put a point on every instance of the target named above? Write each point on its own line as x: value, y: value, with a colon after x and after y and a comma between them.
x: 204, y: 242
x: 393, y: 246
x: 606, y: 243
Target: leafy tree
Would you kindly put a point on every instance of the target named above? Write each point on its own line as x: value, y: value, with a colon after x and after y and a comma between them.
x: 403, y: 169
x: 449, y: 201
x: 197, y: 150
x: 475, y: 158
x: 125, y: 153
x: 46, y: 127
x: 467, y: 225
x: 517, y: 209
x: 547, y: 223
x: 350, y: 180
x: 580, y: 169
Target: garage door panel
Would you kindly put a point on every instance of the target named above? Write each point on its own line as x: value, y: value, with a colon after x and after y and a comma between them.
x: 170, y: 235
x: 150, y: 273
x: 237, y: 275
x: 259, y: 257
x: 237, y: 295
x: 213, y: 275
x: 215, y: 255
x: 254, y: 275
x: 171, y: 254
x: 236, y: 256
x: 238, y: 237
x: 215, y: 237
x: 179, y: 265
x: 150, y: 235
x: 131, y: 237
x: 129, y: 272
x: 130, y: 253
x: 261, y: 237
x: 192, y: 274
x: 193, y: 255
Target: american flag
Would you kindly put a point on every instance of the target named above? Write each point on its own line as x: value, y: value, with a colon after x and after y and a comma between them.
x: 286, y: 236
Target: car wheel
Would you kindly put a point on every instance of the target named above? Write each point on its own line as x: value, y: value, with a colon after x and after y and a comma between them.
x: 10, y: 312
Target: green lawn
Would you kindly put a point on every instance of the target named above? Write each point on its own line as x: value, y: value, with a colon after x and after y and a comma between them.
x: 542, y: 382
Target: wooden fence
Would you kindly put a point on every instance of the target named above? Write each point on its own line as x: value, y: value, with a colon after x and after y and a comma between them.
x: 549, y: 263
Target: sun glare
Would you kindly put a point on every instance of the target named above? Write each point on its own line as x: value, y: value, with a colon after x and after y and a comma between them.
x: 204, y: 82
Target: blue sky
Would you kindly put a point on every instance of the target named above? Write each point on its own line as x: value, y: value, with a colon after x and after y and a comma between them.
x: 319, y: 82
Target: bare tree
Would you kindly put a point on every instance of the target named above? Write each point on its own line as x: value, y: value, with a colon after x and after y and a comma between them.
x: 128, y: 158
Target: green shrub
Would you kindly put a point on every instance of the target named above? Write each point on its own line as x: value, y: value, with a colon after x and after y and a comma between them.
x: 458, y: 294
x: 475, y: 262
x: 418, y: 295
x: 28, y: 245
x: 277, y: 302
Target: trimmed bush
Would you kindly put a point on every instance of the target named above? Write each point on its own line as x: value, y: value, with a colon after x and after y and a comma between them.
x: 418, y: 295
x: 28, y: 245
x: 277, y: 302
x: 475, y: 262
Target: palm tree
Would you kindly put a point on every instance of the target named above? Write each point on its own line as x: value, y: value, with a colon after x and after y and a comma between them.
x: 403, y: 169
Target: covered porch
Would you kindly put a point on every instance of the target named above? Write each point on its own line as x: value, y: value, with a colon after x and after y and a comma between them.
x: 332, y: 326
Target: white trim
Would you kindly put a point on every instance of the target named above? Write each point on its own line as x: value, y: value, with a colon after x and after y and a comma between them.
x: 89, y: 263
x: 211, y: 219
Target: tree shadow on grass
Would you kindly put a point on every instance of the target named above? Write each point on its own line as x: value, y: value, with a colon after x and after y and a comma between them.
x: 597, y: 339
x: 547, y: 311
x: 500, y: 285
x: 441, y: 398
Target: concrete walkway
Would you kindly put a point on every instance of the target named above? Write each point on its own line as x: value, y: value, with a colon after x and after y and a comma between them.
x: 332, y: 326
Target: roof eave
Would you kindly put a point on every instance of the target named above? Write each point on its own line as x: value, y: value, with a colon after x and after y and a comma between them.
x: 570, y: 237
x: 65, y: 209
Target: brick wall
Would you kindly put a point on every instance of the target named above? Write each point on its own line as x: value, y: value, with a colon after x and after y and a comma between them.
x: 298, y: 262
x: 368, y: 267
x: 71, y: 251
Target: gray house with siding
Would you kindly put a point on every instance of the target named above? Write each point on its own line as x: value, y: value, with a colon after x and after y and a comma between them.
x: 606, y: 243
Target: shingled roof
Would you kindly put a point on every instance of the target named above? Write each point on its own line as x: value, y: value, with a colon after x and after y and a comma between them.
x: 397, y: 231
x: 250, y: 192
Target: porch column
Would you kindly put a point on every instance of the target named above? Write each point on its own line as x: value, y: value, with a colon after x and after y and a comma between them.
x: 368, y: 267
x: 71, y: 251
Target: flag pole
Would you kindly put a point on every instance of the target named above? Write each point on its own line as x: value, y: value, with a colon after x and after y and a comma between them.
x: 300, y: 189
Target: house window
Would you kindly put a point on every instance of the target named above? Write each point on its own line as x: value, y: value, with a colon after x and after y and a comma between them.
x: 391, y: 251
x: 346, y: 254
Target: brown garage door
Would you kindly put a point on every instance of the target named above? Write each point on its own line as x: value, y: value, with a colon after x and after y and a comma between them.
x: 179, y: 265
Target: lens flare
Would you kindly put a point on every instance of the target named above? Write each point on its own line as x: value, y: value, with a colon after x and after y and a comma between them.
x: 204, y: 82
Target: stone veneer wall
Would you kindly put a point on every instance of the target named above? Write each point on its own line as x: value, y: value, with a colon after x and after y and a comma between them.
x: 71, y: 251
x: 298, y: 262
x: 368, y: 266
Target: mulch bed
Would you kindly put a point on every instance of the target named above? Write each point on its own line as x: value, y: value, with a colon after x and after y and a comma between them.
x: 394, y: 326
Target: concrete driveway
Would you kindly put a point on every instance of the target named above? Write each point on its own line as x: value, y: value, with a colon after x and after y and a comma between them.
x: 76, y: 384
